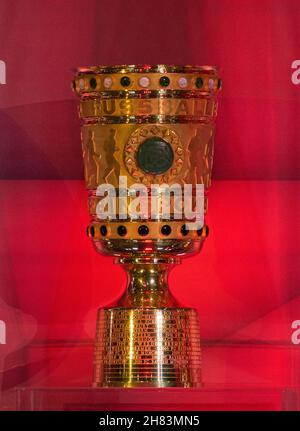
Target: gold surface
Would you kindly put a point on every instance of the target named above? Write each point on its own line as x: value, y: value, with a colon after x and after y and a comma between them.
x: 147, y: 283
x: 105, y: 153
x: 105, y: 80
x: 141, y: 68
x: 154, y: 230
x: 157, y: 347
x: 196, y: 107
x: 82, y: 84
x: 93, y: 201
x: 147, y: 340
x: 137, y: 138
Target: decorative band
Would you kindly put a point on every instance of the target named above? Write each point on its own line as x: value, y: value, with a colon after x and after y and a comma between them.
x: 145, y: 230
x: 93, y: 83
x: 148, y: 94
x: 146, y: 119
x: 147, y: 68
x: 148, y: 107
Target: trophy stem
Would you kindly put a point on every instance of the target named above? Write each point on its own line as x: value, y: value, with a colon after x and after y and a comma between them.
x: 147, y: 282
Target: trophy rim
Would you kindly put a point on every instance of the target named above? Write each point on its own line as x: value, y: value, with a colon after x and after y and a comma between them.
x: 146, y: 68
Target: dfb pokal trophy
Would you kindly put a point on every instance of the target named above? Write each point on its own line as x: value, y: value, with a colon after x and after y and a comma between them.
x: 147, y: 138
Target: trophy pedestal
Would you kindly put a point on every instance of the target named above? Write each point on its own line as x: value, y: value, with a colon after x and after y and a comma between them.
x: 153, y: 347
x: 171, y: 399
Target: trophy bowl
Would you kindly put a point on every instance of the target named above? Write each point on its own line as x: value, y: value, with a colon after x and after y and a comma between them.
x: 147, y: 136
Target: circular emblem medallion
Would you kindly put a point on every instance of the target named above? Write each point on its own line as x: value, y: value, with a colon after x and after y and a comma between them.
x: 154, y: 154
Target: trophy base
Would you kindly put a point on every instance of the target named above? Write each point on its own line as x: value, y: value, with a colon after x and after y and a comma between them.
x: 149, y: 347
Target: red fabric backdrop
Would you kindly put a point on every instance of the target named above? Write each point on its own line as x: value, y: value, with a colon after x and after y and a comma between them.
x: 249, y: 267
x: 254, y: 42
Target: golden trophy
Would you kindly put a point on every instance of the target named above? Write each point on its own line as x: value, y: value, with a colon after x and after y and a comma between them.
x: 148, y: 126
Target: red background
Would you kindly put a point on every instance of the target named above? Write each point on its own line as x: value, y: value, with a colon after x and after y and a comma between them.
x: 245, y: 283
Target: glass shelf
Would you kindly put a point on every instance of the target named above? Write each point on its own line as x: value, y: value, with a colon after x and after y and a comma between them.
x: 172, y: 399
